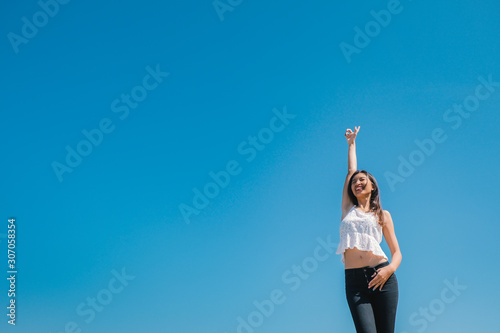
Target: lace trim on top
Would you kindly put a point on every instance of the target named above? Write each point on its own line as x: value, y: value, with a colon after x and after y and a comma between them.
x: 361, y: 230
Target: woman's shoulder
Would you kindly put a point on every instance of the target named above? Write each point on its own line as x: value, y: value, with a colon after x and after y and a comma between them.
x: 387, y: 218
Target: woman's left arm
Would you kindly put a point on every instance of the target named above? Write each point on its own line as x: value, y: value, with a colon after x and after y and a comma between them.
x: 384, y: 273
x: 392, y: 242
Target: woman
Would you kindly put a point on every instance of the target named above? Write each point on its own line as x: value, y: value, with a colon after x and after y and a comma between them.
x: 370, y: 281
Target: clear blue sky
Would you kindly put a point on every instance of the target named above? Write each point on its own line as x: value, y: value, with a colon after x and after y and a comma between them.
x: 115, y: 115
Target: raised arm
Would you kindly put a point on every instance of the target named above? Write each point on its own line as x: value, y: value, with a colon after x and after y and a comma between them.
x: 352, y: 163
x: 352, y: 166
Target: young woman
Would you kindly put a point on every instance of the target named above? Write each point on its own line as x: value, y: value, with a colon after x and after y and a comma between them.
x: 370, y: 281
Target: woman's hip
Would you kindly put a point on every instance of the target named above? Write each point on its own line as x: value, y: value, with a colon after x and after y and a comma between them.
x: 357, y: 279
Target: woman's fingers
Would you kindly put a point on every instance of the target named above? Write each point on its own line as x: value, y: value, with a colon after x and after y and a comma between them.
x: 377, y: 281
x: 378, y: 284
x: 356, y: 130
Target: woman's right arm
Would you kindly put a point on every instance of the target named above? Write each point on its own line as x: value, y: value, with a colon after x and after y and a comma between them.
x: 352, y: 166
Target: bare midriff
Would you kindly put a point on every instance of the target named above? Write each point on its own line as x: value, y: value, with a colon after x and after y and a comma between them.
x: 355, y: 258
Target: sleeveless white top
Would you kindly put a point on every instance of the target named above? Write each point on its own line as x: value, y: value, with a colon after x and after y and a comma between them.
x: 361, y: 230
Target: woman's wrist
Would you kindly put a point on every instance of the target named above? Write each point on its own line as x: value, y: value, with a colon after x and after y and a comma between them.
x: 391, y: 267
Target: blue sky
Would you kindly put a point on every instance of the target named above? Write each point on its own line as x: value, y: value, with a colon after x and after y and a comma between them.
x: 260, y: 94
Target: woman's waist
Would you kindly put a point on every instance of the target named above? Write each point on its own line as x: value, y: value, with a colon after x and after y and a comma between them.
x: 384, y: 263
x: 356, y: 259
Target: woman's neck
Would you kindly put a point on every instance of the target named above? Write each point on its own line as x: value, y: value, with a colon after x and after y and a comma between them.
x: 364, y: 204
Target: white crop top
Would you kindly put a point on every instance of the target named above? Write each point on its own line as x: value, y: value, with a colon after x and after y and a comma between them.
x: 361, y: 230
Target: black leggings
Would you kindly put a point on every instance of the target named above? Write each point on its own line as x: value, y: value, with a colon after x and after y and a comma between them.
x: 372, y: 311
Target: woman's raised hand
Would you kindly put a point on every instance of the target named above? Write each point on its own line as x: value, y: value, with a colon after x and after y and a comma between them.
x: 350, y: 135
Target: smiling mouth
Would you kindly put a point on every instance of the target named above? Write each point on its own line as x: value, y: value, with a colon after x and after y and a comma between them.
x: 359, y: 189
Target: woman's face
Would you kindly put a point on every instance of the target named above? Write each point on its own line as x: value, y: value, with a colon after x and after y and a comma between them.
x: 361, y: 185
